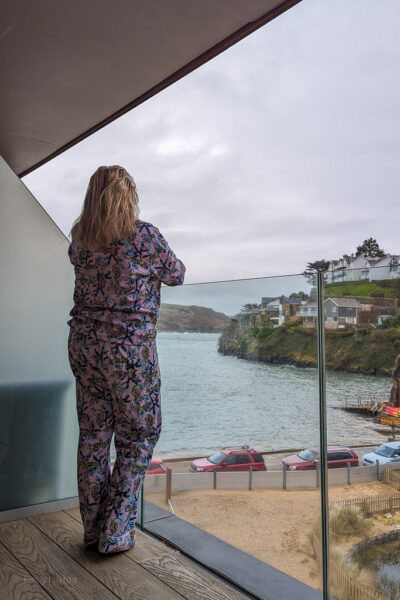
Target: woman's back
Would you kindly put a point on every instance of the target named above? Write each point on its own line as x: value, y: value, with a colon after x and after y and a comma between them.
x: 117, y: 287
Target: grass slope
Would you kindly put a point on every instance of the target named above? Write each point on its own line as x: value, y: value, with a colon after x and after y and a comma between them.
x: 385, y: 289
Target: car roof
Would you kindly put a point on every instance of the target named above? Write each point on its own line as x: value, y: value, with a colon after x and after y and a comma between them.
x: 238, y: 449
x: 394, y: 444
x: 330, y: 448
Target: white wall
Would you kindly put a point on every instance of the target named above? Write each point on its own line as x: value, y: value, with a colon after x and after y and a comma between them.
x: 38, y: 425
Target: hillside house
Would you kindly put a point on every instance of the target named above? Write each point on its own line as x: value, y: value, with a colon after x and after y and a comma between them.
x: 248, y: 315
x: 279, y: 309
x: 363, y: 268
x: 341, y: 312
x: 308, y: 312
x: 275, y: 309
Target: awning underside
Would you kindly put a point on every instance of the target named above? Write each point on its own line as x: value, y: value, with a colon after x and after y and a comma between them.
x: 69, y: 68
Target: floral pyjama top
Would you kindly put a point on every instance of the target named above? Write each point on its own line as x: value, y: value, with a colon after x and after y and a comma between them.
x: 117, y: 287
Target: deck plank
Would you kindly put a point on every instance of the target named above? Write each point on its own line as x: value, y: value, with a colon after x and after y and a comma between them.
x: 127, y: 579
x: 16, y: 583
x: 190, y: 580
x: 56, y: 572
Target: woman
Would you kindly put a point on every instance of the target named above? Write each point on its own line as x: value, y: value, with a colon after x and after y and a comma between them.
x: 119, y: 264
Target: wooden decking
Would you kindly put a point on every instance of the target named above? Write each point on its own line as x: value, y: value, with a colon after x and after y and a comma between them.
x: 43, y: 557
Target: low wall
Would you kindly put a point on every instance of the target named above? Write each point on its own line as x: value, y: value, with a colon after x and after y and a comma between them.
x: 258, y: 480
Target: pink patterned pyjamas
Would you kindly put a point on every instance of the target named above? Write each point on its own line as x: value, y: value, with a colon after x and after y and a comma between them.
x: 117, y: 391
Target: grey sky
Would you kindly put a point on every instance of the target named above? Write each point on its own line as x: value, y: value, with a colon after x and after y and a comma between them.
x: 283, y: 149
x: 229, y: 296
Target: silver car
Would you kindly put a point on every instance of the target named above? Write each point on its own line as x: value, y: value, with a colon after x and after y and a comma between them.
x: 386, y: 453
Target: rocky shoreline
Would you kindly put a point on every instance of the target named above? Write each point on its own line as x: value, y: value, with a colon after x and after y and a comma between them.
x: 360, y: 352
x: 305, y: 364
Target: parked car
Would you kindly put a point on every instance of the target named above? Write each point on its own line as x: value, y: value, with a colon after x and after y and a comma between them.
x: 338, y: 456
x: 156, y: 467
x: 230, y: 459
x: 386, y: 453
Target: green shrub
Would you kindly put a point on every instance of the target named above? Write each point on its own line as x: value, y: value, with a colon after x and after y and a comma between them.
x: 392, y: 322
x: 346, y: 521
x: 262, y: 332
x: 378, y: 293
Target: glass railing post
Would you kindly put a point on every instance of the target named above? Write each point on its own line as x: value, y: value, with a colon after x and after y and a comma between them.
x: 142, y: 507
x: 323, y: 435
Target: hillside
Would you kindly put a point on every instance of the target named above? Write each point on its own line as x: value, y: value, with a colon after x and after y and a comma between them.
x: 367, y: 351
x: 177, y: 317
x: 388, y: 288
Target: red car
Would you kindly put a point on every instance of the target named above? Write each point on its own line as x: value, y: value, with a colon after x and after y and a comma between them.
x: 338, y: 457
x: 230, y: 459
x: 156, y: 467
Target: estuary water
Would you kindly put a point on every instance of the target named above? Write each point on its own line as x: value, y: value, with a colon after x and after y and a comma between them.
x: 210, y: 401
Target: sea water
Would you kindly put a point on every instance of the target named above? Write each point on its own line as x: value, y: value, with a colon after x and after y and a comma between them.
x: 210, y: 401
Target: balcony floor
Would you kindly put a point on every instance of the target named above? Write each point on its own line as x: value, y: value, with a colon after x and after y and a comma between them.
x: 43, y: 557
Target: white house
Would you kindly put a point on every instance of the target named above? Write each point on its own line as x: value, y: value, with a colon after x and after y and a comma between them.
x: 309, y: 313
x: 388, y: 267
x: 359, y: 268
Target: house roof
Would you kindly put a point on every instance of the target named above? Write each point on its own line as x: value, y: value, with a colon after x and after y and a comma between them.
x: 267, y: 299
x: 70, y: 68
x: 290, y: 300
x: 345, y: 302
x: 387, y: 260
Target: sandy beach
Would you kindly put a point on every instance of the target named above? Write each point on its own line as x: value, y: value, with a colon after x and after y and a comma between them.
x: 272, y: 525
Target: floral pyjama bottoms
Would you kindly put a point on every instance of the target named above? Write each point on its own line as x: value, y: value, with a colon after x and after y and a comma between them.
x: 117, y: 392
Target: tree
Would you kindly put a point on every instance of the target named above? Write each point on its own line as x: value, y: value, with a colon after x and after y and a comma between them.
x: 370, y: 247
x: 302, y: 295
x: 318, y: 265
x: 347, y: 258
x: 312, y: 267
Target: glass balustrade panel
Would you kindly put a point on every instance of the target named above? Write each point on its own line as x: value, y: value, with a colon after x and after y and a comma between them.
x: 362, y: 343
x: 240, y: 389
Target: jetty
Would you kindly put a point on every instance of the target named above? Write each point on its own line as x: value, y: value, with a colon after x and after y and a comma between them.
x: 370, y: 408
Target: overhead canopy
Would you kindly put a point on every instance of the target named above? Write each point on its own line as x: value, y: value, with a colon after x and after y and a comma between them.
x: 70, y: 67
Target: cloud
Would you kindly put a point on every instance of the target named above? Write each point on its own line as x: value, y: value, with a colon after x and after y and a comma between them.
x: 282, y: 150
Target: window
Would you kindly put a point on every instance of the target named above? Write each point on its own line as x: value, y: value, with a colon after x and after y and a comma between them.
x: 333, y: 456
x: 258, y: 458
x: 307, y: 454
x: 242, y: 459
x: 217, y: 457
x: 345, y: 456
x: 384, y: 451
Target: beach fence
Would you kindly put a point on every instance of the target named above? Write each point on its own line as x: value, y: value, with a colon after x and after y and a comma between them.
x: 371, y: 505
x: 392, y: 476
x: 345, y: 588
x: 343, y: 585
x: 253, y: 480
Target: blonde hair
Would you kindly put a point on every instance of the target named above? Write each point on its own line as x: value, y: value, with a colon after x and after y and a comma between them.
x: 110, y: 209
